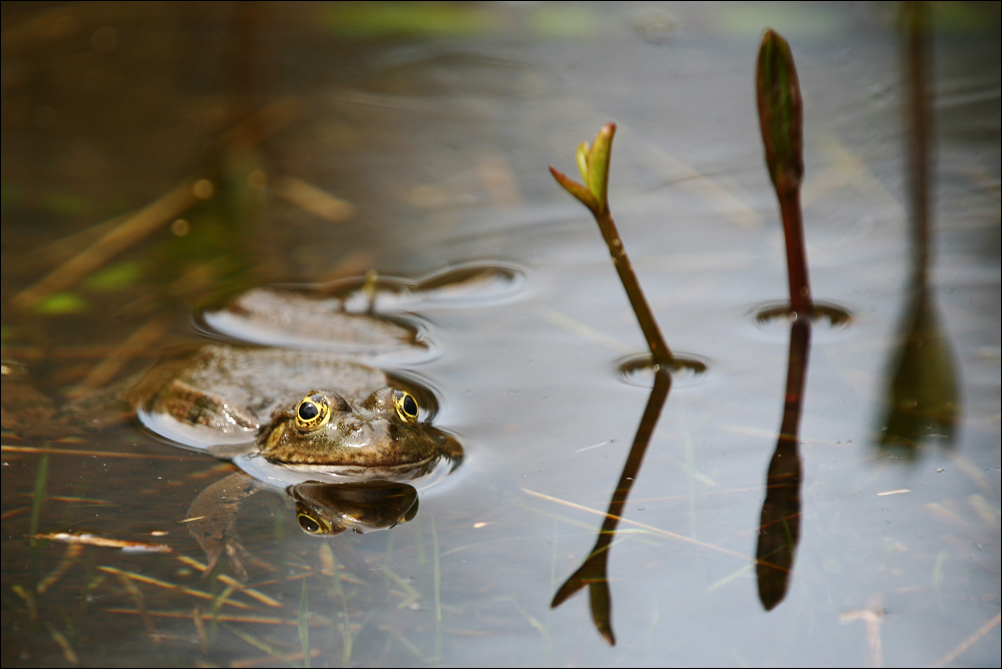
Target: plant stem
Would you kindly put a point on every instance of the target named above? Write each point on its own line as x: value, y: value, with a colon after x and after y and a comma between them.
x: 593, y: 161
x: 796, y: 256
x: 781, y: 115
x: 655, y: 341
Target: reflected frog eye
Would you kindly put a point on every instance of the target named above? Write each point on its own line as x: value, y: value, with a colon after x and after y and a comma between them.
x: 312, y: 525
x: 406, y: 405
x: 313, y: 412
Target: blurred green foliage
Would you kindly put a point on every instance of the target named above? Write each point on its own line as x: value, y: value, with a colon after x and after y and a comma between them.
x: 113, y: 277
x: 425, y: 20
x: 61, y: 304
x: 415, y: 19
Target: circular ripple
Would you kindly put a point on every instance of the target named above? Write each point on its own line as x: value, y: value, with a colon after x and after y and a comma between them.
x: 638, y: 370
x: 771, y: 314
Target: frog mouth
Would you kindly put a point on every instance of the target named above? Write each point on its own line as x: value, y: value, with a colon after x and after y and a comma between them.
x: 397, y: 472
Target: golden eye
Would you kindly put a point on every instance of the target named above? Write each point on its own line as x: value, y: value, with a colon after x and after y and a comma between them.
x: 313, y: 412
x: 312, y: 525
x: 406, y: 405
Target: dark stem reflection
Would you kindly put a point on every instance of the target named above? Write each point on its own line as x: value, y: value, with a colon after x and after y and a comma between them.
x: 922, y: 399
x: 779, y: 527
x: 593, y: 573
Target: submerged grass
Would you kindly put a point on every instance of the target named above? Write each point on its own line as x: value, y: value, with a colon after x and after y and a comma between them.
x: 347, y: 639
x: 438, y: 593
x: 304, y: 625
x: 255, y: 641
x: 253, y: 593
x: 643, y: 526
x: 38, y: 494
x: 64, y: 644
x: 140, y: 601
x: 70, y: 557
x: 411, y: 594
x: 218, y: 601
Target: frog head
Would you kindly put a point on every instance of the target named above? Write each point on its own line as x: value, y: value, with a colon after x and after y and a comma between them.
x: 382, y: 434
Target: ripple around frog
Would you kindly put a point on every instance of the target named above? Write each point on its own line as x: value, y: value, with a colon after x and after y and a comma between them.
x: 638, y: 370
x: 367, y: 315
x: 377, y: 337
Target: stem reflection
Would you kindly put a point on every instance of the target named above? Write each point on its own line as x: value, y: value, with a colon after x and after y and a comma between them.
x: 779, y: 527
x: 922, y: 389
x: 593, y: 572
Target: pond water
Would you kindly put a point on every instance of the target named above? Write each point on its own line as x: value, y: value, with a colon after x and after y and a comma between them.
x: 306, y: 144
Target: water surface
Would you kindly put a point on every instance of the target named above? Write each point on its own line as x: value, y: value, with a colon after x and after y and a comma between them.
x: 427, y: 147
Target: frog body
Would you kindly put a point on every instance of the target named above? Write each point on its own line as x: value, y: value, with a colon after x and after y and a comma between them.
x: 312, y: 412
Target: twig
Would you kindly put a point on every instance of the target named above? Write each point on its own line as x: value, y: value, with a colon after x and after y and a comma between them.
x: 593, y: 163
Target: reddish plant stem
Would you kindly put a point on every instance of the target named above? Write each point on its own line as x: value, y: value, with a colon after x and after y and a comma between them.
x: 655, y: 341
x: 781, y: 115
x: 796, y: 256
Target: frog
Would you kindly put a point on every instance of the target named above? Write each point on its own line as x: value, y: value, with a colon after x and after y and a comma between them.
x: 310, y: 413
x: 316, y: 424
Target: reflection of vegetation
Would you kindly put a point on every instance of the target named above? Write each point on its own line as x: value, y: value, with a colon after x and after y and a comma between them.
x: 217, y: 239
x: 593, y: 164
x: 779, y: 527
x: 780, y: 112
x: 922, y: 398
x: 593, y: 573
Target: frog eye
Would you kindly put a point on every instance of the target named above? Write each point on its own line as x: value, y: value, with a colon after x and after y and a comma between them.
x: 406, y: 405
x: 312, y: 525
x: 313, y: 412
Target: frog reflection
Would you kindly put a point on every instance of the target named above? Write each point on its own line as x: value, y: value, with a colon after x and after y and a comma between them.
x: 322, y: 509
x: 339, y: 448
x: 366, y: 506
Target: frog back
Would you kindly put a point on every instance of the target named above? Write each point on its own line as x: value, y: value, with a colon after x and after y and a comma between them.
x: 221, y: 393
